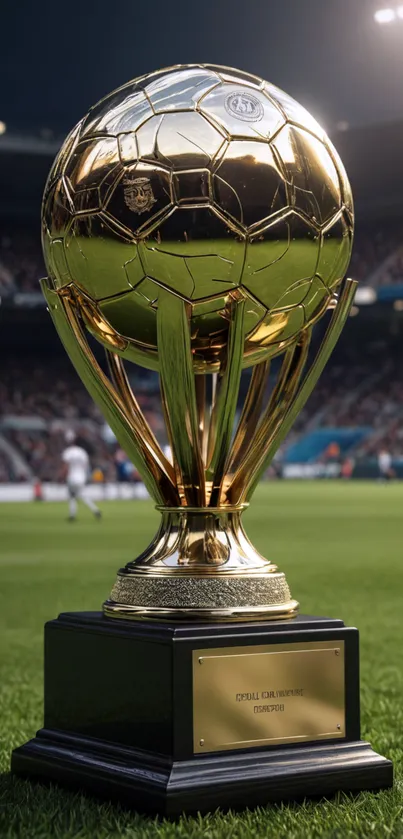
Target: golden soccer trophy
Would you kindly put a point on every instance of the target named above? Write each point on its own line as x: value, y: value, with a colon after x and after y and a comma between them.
x: 198, y: 222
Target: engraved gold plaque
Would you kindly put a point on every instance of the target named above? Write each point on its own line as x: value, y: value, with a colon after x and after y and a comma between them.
x: 268, y: 695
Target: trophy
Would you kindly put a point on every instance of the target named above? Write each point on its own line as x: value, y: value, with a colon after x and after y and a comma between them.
x: 198, y: 222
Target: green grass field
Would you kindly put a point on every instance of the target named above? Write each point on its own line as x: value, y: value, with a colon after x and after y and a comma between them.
x: 341, y: 546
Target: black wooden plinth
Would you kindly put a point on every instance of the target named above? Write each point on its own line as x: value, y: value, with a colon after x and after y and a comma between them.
x: 118, y: 719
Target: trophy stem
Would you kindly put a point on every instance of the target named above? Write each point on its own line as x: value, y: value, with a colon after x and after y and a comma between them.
x: 201, y: 564
x: 250, y: 415
x: 179, y: 396
x: 225, y: 402
x: 200, y: 384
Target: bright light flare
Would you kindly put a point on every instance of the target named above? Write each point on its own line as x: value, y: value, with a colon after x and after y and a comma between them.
x: 365, y: 295
x: 385, y: 15
x: 3, y: 127
x: 399, y: 12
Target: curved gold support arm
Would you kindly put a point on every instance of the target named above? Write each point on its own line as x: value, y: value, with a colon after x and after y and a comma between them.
x: 179, y: 395
x: 264, y: 448
x: 273, y: 416
x: 250, y: 415
x: 200, y: 382
x: 122, y: 385
x: 127, y: 427
x: 225, y: 402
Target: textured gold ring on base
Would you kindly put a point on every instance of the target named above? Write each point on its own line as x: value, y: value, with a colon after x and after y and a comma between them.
x: 259, y: 596
x: 258, y: 613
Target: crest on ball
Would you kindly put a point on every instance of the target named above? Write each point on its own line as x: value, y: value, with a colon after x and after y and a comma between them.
x: 138, y: 194
x: 244, y: 106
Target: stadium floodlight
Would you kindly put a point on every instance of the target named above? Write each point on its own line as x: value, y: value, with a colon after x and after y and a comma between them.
x: 3, y: 127
x: 385, y: 15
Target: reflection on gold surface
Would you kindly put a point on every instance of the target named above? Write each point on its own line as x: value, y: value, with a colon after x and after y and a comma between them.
x: 226, y: 169
x: 275, y: 694
x: 272, y: 329
x: 198, y: 221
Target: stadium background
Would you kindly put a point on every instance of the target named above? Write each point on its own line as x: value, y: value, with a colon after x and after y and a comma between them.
x: 342, y: 552
x: 356, y: 410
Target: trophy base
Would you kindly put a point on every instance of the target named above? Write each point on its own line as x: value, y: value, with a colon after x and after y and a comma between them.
x: 187, y: 718
x: 218, y: 597
x: 284, y: 611
x: 201, y: 565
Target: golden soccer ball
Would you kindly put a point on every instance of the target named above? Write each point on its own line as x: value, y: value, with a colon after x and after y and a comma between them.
x: 211, y: 185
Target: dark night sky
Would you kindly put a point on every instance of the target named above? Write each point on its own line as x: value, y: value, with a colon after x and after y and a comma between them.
x: 56, y: 59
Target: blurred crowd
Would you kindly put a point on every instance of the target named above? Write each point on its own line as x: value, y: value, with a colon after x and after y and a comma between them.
x: 21, y: 262
x: 37, y: 409
x: 377, y: 258
x: 372, y: 401
x: 51, y: 389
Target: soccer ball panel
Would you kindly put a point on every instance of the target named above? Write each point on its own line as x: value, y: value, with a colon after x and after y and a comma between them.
x: 96, y: 255
x: 282, y: 255
x: 335, y: 252
x: 134, y: 269
x: 345, y: 188
x: 316, y: 301
x: 133, y: 315
x: 181, y: 89
x: 142, y: 193
x: 57, y: 209
x: 60, y: 162
x: 192, y: 186
x: 57, y: 263
x: 180, y: 141
x: 293, y: 110
x: 310, y: 170
x: 124, y: 110
x: 277, y: 326
x: 247, y: 183
x: 294, y: 296
x: 128, y: 149
x: 242, y: 112
x: 227, y: 74
x: 90, y: 162
x: 91, y: 171
x: 147, y: 141
x: 194, y: 253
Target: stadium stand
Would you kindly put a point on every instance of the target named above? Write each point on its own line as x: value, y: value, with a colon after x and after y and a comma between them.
x: 357, y: 408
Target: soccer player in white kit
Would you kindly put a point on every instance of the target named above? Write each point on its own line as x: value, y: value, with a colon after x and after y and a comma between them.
x: 77, y: 467
x: 386, y: 472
